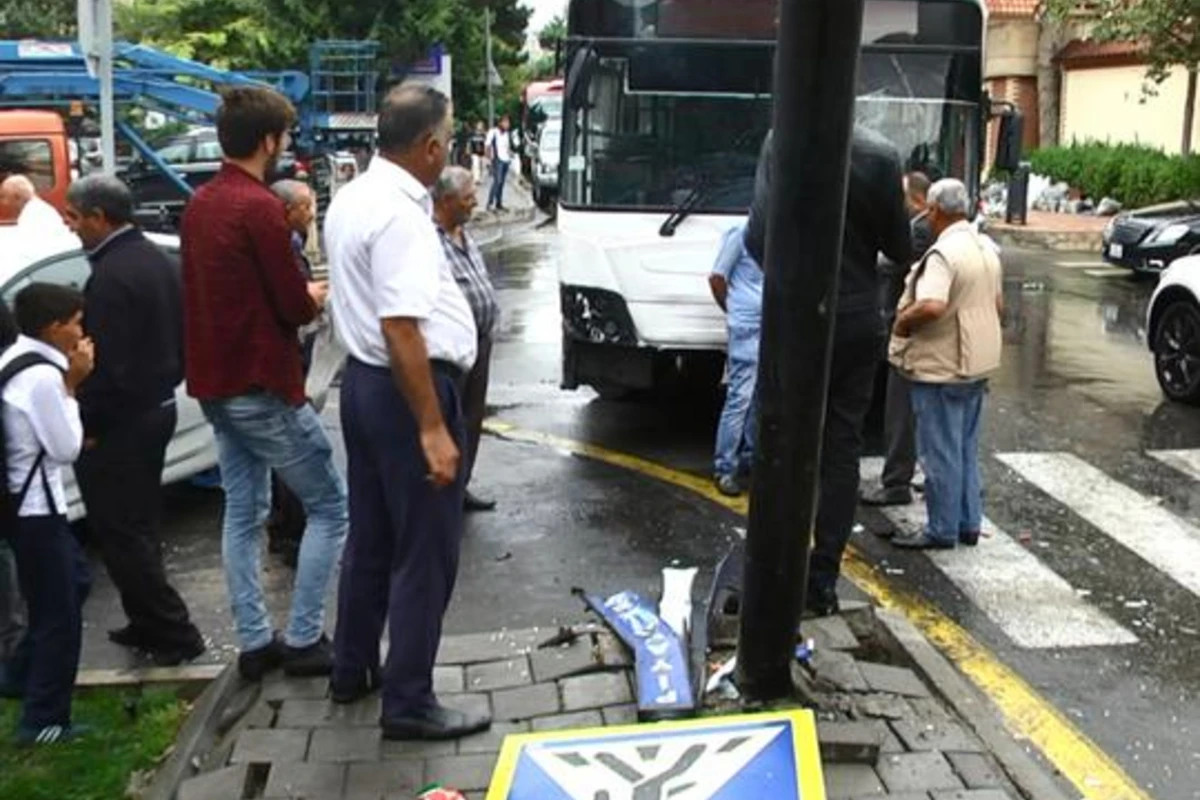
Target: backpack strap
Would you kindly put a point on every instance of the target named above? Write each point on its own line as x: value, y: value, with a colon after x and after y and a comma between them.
x: 10, y: 371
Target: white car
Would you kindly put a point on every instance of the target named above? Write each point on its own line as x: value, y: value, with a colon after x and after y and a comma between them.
x: 545, y: 163
x: 1173, y: 330
x: 193, y: 449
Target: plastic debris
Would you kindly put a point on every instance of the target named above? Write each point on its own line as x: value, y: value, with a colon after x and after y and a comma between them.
x: 1136, y: 603
x: 805, y: 650
x: 1025, y: 537
x: 435, y: 791
x: 676, y: 606
x: 859, y: 527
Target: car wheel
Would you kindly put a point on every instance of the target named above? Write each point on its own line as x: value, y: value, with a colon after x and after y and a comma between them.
x: 1177, y: 352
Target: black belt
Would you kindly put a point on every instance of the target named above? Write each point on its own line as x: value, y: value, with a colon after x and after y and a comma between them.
x: 450, y: 370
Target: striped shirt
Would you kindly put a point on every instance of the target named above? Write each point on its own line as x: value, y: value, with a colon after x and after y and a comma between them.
x: 471, y: 273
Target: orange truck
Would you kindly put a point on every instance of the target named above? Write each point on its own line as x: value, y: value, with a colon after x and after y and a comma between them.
x: 35, y: 144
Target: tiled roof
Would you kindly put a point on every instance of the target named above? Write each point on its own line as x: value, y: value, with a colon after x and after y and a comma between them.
x: 1013, y: 8
x: 1085, y: 50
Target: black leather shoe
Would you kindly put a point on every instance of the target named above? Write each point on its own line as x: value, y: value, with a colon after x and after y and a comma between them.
x: 473, y: 502
x: 969, y: 538
x: 887, y: 496
x: 312, y: 661
x: 921, y: 541
x: 172, y: 655
x: 255, y: 664
x: 437, y: 722
x: 129, y: 636
x: 346, y: 692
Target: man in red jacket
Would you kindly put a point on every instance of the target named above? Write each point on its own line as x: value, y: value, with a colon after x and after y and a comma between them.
x: 244, y: 301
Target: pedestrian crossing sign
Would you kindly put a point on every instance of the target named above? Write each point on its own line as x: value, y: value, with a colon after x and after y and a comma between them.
x: 749, y: 757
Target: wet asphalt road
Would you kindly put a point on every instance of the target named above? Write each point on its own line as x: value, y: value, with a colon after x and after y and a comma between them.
x: 1076, y: 379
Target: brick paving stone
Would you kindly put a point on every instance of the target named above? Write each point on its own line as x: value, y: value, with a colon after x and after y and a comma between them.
x: 327, y: 714
x: 849, y: 742
x: 917, y: 772
x: 309, y: 781
x: 265, y: 746
x: 396, y: 751
x: 977, y: 770
x: 595, y: 691
x: 613, y: 652
x: 843, y: 781
x: 829, y: 633
x: 465, y: 773
x: 490, y: 740
x: 448, y: 680
x: 839, y: 670
x: 561, y: 662
x: 620, y: 715
x: 896, y: 680
x: 931, y: 710
x: 468, y: 703
x: 280, y: 687
x: 537, y: 700
x: 476, y: 648
x: 372, y: 781
x: 499, y: 675
x: 261, y: 716
x: 891, y: 742
x: 973, y: 794
x: 919, y: 735
x: 562, y: 722
x: 222, y: 784
x: 880, y: 705
x: 345, y: 744
x: 906, y: 796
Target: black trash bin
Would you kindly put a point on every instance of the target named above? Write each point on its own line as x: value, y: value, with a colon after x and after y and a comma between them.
x: 1018, y: 195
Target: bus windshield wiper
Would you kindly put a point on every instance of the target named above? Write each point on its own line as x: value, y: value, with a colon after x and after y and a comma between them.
x: 685, y: 207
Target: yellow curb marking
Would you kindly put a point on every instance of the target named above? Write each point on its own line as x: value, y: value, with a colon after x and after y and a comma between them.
x: 1026, y: 713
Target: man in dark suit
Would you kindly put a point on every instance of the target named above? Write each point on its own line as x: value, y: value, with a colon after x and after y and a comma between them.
x: 134, y: 314
x: 876, y: 222
x: 899, y: 424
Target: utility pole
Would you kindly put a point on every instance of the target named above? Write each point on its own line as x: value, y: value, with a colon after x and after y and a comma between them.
x: 816, y: 66
x: 95, y: 21
x: 489, y: 69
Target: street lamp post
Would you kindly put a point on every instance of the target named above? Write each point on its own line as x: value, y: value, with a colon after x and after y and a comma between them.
x: 816, y: 65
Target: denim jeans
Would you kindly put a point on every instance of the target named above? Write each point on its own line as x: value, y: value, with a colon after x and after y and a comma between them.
x: 499, y: 176
x: 258, y: 433
x: 737, y: 429
x: 948, y: 417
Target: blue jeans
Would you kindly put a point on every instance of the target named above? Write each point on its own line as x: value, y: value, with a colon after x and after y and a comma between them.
x: 499, y: 176
x: 258, y: 433
x: 948, y: 443
x: 737, y: 431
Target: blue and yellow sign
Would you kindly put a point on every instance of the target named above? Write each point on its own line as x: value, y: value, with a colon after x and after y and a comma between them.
x: 754, y: 757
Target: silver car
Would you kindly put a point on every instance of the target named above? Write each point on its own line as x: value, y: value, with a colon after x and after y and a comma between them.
x: 193, y: 449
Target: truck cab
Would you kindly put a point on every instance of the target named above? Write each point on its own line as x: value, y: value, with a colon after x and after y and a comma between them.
x: 34, y: 143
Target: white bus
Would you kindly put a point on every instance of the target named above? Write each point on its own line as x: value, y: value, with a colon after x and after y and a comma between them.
x: 665, y: 107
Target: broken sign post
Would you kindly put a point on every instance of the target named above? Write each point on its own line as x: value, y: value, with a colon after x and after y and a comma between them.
x: 664, y: 687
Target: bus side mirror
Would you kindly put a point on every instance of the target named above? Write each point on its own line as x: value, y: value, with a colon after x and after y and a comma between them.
x: 1010, y: 141
x: 579, y: 78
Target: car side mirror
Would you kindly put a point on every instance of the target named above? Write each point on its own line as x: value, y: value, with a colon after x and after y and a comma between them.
x: 1010, y: 141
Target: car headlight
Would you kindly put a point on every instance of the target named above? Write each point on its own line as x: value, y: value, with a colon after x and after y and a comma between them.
x: 1171, y: 234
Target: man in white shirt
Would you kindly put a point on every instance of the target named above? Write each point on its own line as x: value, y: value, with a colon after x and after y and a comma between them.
x: 499, y: 152
x: 411, y: 338
x: 40, y: 229
x: 43, y: 433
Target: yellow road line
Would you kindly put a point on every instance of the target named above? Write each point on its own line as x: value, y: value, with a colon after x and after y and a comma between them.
x: 1026, y: 713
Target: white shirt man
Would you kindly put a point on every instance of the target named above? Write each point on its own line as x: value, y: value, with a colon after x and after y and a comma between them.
x: 499, y: 144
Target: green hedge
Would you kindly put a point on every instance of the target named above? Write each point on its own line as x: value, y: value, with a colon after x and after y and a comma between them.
x: 1133, y: 174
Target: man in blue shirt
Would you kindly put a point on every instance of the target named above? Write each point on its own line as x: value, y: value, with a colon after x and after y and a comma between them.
x: 736, y: 282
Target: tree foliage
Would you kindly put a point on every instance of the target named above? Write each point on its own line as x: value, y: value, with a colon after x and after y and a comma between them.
x: 552, y: 32
x: 1166, y: 29
x: 38, y: 19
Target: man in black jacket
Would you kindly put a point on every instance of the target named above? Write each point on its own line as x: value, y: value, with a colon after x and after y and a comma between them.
x: 876, y: 222
x: 134, y: 314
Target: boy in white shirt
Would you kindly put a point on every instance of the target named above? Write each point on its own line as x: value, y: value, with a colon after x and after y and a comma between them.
x: 43, y: 433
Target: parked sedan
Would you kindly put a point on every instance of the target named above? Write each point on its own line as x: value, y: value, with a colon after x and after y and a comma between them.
x: 1149, y: 239
x: 545, y: 164
x: 193, y: 449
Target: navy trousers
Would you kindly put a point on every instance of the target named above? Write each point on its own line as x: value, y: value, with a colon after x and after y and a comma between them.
x: 54, y: 579
x: 401, y: 555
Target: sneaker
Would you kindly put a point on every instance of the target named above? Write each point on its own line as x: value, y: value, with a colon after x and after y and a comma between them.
x: 50, y: 734
x: 255, y: 664
x: 311, y: 661
x: 728, y: 485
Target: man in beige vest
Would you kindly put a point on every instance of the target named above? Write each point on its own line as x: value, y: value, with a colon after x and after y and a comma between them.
x: 946, y: 341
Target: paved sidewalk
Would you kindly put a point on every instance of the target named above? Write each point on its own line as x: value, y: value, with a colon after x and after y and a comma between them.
x: 883, y: 732
x: 1050, y: 231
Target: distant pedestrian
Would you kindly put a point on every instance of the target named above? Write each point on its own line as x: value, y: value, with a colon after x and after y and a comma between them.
x: 946, y: 341
x: 478, y: 148
x: 43, y: 433
x: 40, y: 229
x: 134, y: 314
x: 499, y: 149
x: 736, y: 283
x: 875, y: 222
x: 899, y: 423
x: 244, y: 303
x: 453, y: 203
x: 285, y: 525
x: 411, y: 340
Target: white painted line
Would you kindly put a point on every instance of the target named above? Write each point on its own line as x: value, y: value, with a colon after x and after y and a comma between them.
x: 1080, y: 264
x: 1107, y: 272
x: 1160, y: 538
x: 1186, y: 461
x: 1027, y: 600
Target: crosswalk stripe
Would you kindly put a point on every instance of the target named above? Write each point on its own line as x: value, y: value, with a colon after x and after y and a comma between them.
x: 1081, y: 264
x: 1160, y: 538
x: 1106, y: 272
x: 1185, y: 461
x: 1034, y: 606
